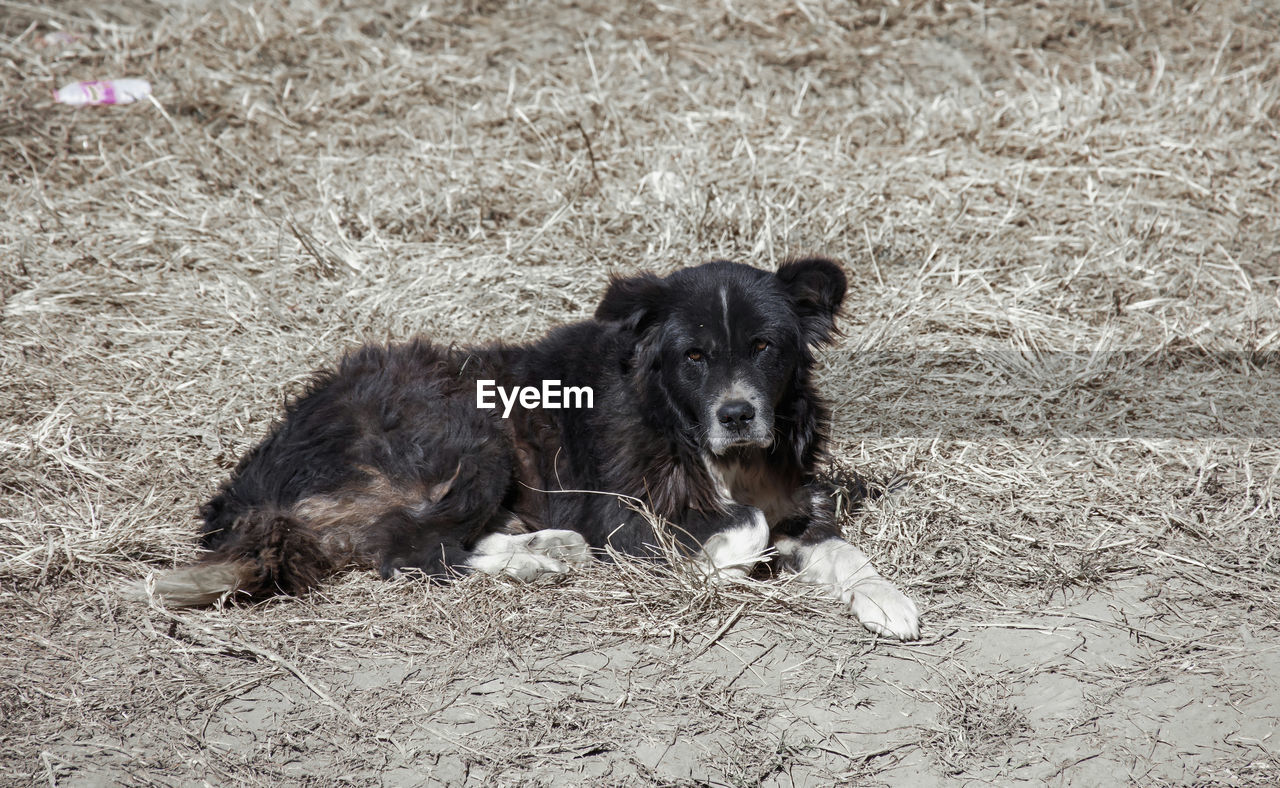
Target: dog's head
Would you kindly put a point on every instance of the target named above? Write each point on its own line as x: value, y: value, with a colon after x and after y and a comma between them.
x: 721, y: 344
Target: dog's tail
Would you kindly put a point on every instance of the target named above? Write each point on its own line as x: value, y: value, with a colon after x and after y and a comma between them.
x: 263, y: 554
x: 200, y: 584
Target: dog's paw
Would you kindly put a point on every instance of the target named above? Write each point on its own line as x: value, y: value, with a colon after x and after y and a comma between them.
x: 883, y: 609
x: 522, y: 566
x: 562, y: 545
x: 733, y: 553
x: 510, y: 554
x: 719, y: 575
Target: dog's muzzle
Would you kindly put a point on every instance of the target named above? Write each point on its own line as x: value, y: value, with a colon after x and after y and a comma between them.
x: 738, y: 422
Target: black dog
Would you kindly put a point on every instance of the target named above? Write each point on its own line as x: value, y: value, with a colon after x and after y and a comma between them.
x: 691, y: 394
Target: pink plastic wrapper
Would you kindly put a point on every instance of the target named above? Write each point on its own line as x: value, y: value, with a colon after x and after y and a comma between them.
x: 57, y: 38
x: 105, y: 91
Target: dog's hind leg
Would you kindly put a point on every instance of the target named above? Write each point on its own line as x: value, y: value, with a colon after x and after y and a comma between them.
x: 563, y: 545
x: 529, y: 556
x: 474, y: 535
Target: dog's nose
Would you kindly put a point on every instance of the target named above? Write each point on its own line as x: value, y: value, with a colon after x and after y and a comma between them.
x: 736, y: 413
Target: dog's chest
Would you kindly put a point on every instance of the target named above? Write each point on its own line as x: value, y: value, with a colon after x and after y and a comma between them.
x: 756, y: 484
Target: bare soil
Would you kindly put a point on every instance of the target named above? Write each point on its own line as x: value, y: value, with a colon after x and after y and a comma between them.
x: 1061, y: 225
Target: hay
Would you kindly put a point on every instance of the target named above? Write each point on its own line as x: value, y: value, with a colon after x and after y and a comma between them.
x: 1061, y: 229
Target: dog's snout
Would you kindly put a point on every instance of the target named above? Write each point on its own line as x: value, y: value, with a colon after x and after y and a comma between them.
x: 736, y: 413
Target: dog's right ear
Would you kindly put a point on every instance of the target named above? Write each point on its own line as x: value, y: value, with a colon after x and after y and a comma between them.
x: 635, y: 301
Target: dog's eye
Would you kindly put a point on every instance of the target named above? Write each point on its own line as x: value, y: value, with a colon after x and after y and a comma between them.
x: 760, y: 345
x: 694, y: 355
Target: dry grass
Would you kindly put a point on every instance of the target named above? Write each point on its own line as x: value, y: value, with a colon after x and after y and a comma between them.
x: 1062, y: 229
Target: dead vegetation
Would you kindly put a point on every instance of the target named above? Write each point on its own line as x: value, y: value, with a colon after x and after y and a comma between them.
x: 1062, y: 229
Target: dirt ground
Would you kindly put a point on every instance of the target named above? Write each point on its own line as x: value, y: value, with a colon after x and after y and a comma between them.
x: 1062, y: 230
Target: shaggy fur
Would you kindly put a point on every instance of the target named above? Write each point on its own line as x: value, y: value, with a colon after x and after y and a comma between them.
x: 704, y: 409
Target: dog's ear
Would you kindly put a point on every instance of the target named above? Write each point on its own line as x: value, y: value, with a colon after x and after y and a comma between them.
x: 635, y: 301
x: 817, y: 287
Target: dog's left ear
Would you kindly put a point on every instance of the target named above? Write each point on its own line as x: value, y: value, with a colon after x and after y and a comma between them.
x: 817, y: 287
x: 636, y: 301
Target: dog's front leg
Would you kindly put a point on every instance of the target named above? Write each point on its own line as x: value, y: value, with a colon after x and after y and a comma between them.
x: 723, y: 546
x: 734, y: 550
x: 813, y: 548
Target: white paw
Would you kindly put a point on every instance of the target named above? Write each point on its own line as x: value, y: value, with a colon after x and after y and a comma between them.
x: 521, y: 565
x: 734, y: 552
x: 720, y: 575
x: 883, y: 609
x: 527, y: 556
x: 563, y: 545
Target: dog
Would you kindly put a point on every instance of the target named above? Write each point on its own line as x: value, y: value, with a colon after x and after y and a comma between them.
x: 688, y: 399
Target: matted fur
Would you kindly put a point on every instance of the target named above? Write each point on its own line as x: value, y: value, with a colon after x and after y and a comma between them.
x: 387, y: 462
